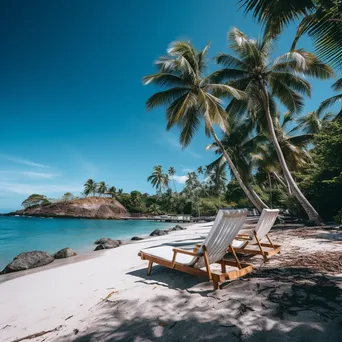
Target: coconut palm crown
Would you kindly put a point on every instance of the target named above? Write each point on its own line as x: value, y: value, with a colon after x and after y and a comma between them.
x: 191, y: 97
x: 251, y: 70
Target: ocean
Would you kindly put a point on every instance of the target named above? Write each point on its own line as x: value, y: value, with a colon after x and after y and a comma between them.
x: 24, y: 234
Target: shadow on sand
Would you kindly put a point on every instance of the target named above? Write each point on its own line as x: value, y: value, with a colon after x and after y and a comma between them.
x: 271, y: 304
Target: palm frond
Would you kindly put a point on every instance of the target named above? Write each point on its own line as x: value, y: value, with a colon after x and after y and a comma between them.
x: 289, y: 98
x: 329, y: 102
x: 165, y: 97
x: 165, y: 79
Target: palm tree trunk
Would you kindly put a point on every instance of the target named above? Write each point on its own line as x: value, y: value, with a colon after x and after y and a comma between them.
x: 287, y: 187
x: 257, y: 197
x: 310, y: 210
x: 270, y: 184
x: 257, y: 203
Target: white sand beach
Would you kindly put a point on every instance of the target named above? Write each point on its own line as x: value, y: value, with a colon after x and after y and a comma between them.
x: 296, y: 296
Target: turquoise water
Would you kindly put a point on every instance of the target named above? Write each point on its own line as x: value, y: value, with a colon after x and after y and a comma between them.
x: 23, y: 234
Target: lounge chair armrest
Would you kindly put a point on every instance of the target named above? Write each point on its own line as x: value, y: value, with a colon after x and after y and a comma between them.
x: 176, y: 250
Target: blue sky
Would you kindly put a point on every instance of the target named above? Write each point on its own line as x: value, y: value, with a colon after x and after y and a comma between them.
x: 72, y: 100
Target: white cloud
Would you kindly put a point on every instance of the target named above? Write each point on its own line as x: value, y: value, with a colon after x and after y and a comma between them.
x: 187, y: 170
x: 46, y: 189
x: 23, y: 161
x: 180, y: 179
x: 38, y: 175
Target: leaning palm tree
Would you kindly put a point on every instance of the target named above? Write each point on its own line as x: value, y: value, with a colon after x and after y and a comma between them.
x: 171, y: 172
x: 320, y: 19
x: 90, y: 187
x: 263, y: 81
x: 101, y: 188
x: 242, y: 144
x: 191, y: 97
x: 111, y: 191
x: 337, y: 86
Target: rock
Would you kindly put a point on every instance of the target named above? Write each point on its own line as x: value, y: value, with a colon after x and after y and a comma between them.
x: 136, y: 238
x: 177, y: 227
x: 159, y: 232
x: 108, y: 245
x: 27, y: 260
x: 65, y: 253
x: 107, y: 240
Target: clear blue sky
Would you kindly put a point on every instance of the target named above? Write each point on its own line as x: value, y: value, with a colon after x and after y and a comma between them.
x: 72, y: 100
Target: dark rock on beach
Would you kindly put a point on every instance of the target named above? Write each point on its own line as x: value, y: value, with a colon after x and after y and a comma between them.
x: 27, y: 260
x: 159, y: 232
x: 136, y: 238
x: 65, y: 253
x: 107, y: 240
x: 107, y: 245
x: 177, y: 227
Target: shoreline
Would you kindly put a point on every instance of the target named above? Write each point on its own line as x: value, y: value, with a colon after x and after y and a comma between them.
x: 109, y: 297
x: 80, y: 257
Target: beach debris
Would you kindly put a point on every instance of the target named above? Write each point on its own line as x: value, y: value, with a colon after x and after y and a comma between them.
x: 65, y: 253
x: 163, y: 323
x: 136, y: 238
x: 110, y: 294
x: 159, y: 232
x: 76, y: 331
x: 41, y: 333
x: 69, y: 317
x: 27, y: 260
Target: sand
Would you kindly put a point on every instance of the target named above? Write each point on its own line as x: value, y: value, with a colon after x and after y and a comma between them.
x: 296, y: 296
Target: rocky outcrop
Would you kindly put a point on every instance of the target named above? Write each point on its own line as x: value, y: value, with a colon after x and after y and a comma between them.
x: 65, y: 253
x: 27, y: 260
x: 90, y: 207
x: 177, y: 227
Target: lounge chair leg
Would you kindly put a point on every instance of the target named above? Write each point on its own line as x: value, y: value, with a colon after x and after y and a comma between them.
x: 235, y: 257
x: 260, y: 247
x: 150, y: 263
x: 223, y: 268
x: 216, y: 285
x: 269, y: 240
x: 206, y: 260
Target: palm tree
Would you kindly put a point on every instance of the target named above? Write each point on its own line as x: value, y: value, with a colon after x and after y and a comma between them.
x: 321, y: 19
x: 112, y: 191
x: 191, y: 97
x: 101, y: 188
x: 262, y: 81
x: 242, y: 144
x: 158, y: 179
x: 171, y: 173
x: 313, y: 122
x: 154, y: 209
x: 337, y: 86
x: 89, y: 187
x: 200, y: 170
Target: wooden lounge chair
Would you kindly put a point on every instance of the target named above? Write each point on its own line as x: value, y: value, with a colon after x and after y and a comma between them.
x: 197, y: 262
x: 254, y: 236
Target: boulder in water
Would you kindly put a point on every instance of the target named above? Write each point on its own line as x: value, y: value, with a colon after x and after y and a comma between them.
x: 65, y: 253
x: 27, y: 260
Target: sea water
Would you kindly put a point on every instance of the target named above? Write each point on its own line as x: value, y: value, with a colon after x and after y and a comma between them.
x: 24, y: 234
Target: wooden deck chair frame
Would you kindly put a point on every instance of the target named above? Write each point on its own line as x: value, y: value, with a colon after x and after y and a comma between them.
x: 216, y: 277
x: 266, y: 253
